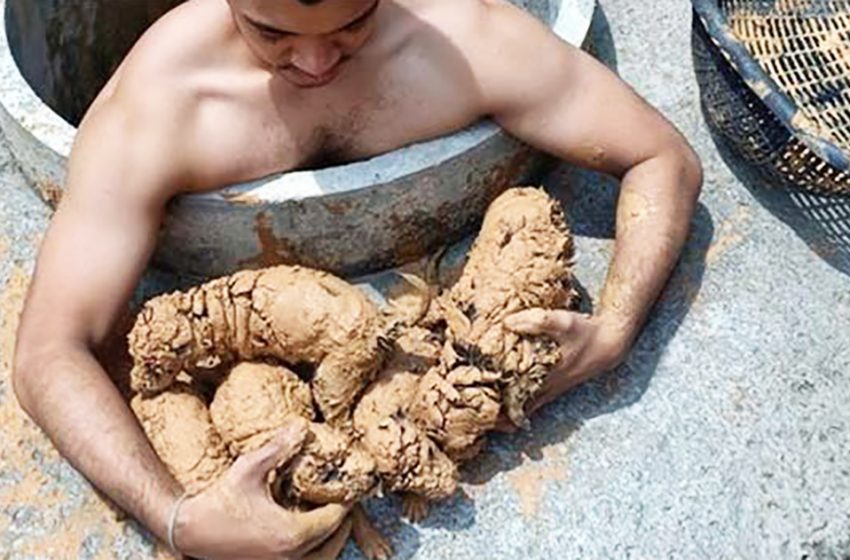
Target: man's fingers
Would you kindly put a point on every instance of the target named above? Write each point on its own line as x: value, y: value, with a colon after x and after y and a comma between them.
x: 554, y: 323
x: 317, y: 525
x: 331, y: 549
x: 286, y: 443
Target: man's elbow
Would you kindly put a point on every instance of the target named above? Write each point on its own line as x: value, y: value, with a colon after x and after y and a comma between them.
x: 25, y: 370
x: 30, y: 372
x: 690, y: 170
x: 676, y: 161
x: 681, y: 168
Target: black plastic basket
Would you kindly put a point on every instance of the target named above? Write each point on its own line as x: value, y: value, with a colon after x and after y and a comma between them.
x: 774, y: 77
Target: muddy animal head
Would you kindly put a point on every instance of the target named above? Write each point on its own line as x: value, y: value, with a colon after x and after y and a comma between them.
x: 160, y: 344
x: 332, y: 468
x: 457, y: 407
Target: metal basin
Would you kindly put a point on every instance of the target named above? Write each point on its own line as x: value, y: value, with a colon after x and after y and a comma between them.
x: 351, y: 219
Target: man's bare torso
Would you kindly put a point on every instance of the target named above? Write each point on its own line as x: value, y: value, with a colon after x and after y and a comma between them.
x: 409, y: 82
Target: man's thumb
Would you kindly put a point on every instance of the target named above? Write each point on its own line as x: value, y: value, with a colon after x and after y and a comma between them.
x: 533, y: 322
x: 285, y: 444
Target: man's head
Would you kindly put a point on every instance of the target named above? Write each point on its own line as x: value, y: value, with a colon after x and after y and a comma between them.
x: 305, y: 41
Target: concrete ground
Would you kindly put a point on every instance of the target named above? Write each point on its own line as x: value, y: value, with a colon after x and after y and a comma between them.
x: 725, y: 435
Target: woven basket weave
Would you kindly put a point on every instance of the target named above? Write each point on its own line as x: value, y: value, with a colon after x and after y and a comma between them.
x: 775, y: 82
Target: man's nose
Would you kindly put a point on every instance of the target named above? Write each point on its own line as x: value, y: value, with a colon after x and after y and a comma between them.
x: 315, y: 56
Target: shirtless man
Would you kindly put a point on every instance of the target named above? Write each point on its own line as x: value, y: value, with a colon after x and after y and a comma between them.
x: 223, y: 91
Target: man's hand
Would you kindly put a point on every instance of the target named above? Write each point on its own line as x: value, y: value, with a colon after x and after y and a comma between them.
x: 589, y: 346
x: 237, y: 517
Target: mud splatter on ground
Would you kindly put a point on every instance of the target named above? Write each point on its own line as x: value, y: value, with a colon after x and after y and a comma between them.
x: 729, y: 235
x: 532, y: 479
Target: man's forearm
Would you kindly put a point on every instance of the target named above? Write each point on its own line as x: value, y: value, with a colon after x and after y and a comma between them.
x: 70, y: 396
x: 657, y: 202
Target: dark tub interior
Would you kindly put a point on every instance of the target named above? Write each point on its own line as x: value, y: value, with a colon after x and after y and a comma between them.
x: 67, y: 49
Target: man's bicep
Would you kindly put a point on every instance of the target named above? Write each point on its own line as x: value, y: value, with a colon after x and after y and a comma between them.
x: 101, y: 236
x: 570, y: 105
x: 89, y: 263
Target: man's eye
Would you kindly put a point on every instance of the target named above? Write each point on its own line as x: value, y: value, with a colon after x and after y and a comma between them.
x: 356, y: 26
x: 270, y: 35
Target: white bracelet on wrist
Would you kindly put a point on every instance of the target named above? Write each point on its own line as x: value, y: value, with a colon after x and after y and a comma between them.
x: 172, y: 522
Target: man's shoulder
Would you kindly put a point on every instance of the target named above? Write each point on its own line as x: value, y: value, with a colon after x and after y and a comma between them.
x: 161, y: 83
x: 499, y: 44
x: 463, y: 14
x: 168, y: 62
x: 450, y: 16
x: 478, y: 28
x: 148, y: 108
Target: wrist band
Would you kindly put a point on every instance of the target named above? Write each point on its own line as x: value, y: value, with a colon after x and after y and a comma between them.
x: 172, y: 521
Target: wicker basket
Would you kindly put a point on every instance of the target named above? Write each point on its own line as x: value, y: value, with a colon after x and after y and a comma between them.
x: 775, y: 82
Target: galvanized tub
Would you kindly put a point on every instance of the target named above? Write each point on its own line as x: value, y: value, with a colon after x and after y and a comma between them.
x: 350, y: 219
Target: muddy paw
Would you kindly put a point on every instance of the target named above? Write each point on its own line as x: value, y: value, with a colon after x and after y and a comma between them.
x: 414, y: 508
x: 370, y: 541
